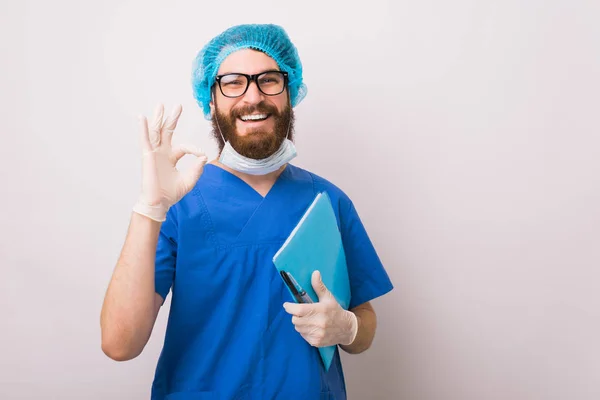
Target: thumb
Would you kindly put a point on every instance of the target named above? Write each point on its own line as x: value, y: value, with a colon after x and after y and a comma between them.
x: 318, y: 285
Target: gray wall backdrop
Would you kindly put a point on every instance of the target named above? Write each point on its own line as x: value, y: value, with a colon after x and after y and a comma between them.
x: 466, y: 132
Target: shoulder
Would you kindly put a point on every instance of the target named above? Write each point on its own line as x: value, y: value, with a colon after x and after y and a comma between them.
x: 339, y: 199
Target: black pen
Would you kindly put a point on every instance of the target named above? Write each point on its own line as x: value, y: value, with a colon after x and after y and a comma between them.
x: 299, y: 293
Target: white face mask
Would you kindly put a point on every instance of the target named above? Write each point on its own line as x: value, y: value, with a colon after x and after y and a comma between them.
x: 237, y: 162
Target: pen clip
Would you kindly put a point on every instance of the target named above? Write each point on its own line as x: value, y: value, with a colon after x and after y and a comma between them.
x: 296, y: 284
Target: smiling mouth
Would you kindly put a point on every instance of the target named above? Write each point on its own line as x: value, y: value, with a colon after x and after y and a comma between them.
x: 254, y: 117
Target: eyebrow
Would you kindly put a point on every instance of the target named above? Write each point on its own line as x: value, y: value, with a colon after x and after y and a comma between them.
x: 242, y: 73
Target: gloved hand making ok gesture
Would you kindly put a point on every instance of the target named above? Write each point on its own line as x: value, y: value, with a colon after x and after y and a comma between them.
x: 324, y: 323
x: 162, y: 184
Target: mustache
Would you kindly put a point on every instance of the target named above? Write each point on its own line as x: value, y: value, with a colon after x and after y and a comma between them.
x: 261, y: 107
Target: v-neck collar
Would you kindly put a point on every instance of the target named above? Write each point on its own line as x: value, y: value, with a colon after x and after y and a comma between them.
x: 232, y: 177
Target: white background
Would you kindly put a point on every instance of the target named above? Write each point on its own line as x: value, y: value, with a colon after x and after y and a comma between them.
x: 466, y: 133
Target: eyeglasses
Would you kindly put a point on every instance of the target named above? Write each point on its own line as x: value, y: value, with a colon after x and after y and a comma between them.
x: 270, y: 83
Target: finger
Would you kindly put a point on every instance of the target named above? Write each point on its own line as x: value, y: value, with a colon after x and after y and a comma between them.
x: 318, y: 285
x: 305, y: 331
x: 299, y: 310
x: 195, y: 172
x: 302, y: 321
x: 145, y: 139
x: 170, y: 124
x: 314, y: 337
x: 155, y: 125
x: 184, y: 149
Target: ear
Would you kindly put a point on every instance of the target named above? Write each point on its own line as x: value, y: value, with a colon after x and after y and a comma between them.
x: 212, y: 104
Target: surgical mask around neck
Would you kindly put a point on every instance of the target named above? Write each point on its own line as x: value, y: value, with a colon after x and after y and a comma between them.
x: 234, y: 160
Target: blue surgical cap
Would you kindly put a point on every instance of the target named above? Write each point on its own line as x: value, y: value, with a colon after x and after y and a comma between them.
x: 270, y: 39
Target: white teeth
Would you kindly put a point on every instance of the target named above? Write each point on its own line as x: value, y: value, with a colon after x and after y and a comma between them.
x: 253, y: 117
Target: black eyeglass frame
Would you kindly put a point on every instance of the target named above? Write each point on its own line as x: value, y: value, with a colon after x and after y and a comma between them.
x: 253, y: 78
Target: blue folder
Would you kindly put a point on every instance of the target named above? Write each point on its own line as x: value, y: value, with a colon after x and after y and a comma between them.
x: 316, y: 244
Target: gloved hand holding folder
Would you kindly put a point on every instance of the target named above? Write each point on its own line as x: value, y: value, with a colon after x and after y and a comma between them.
x: 316, y: 244
x: 324, y: 323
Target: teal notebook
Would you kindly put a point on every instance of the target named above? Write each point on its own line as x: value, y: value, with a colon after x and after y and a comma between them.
x: 316, y: 243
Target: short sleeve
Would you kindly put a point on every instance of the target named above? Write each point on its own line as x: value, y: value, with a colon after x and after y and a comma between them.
x: 166, y: 255
x: 368, y: 277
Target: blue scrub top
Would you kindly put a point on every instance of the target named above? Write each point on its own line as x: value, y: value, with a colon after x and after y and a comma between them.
x: 228, y: 336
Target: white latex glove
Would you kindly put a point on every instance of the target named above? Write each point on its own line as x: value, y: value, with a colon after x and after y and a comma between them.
x: 324, y: 323
x: 162, y: 184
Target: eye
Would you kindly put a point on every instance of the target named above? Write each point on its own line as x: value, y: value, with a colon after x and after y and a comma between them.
x: 233, y: 80
x: 270, y: 79
x: 232, y: 83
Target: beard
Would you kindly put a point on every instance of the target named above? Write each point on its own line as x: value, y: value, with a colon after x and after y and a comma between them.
x: 258, y: 143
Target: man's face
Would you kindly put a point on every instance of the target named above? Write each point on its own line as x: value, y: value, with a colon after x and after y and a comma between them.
x: 255, y: 139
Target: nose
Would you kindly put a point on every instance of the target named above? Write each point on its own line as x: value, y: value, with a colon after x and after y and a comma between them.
x: 253, y: 95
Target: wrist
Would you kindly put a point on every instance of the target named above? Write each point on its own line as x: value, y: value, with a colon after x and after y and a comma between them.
x: 353, y: 328
x: 156, y: 212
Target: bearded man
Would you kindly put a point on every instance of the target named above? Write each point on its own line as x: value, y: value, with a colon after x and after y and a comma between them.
x: 209, y: 236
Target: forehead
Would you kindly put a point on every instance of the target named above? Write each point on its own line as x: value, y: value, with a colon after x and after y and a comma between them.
x: 247, y: 61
